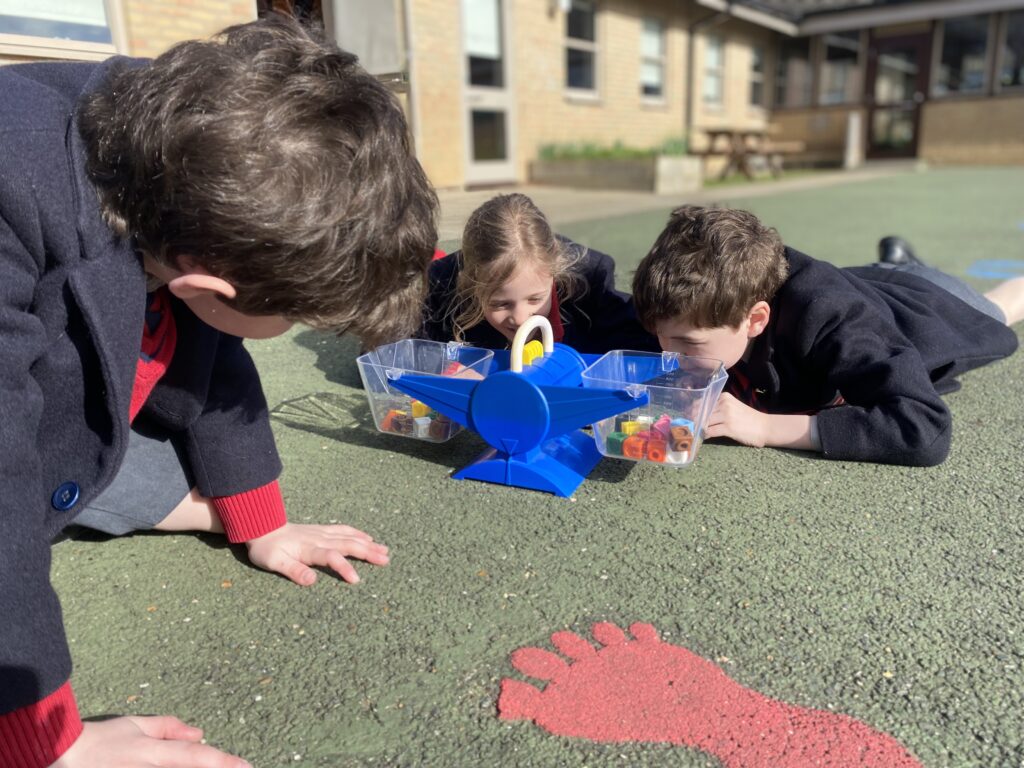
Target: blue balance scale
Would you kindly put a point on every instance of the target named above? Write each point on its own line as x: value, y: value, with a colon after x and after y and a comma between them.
x: 530, y: 415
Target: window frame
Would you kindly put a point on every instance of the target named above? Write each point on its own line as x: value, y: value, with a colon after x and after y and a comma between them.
x: 813, y: 57
x: 706, y: 70
x: 818, y: 85
x: 938, y: 39
x: 762, y: 79
x: 661, y: 61
x: 592, y: 47
x: 32, y: 47
x: 1002, y: 31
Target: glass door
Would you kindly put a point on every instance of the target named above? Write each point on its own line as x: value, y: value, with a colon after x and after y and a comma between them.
x: 488, y: 100
x: 896, y: 87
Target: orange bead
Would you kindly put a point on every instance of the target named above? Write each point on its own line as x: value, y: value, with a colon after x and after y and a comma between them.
x: 634, y: 447
x: 656, y: 450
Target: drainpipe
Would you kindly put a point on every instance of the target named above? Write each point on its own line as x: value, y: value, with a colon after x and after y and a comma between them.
x: 707, y: 22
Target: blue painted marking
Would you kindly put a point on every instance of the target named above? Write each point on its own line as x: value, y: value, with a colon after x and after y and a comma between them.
x: 998, y: 269
x: 1020, y: 225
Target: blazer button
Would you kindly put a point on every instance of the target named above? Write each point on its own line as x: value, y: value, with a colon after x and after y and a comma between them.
x: 65, y: 497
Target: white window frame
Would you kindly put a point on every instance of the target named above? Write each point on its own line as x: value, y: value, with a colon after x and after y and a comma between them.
x: 32, y: 47
x: 660, y: 61
x: 758, y: 77
x: 719, y: 72
x: 575, y: 43
x: 1003, y: 29
x: 990, y: 52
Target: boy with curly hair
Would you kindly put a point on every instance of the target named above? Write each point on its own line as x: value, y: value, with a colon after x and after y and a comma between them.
x: 847, y: 362
x: 152, y: 214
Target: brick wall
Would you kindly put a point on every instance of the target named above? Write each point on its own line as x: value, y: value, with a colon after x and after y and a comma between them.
x: 152, y: 26
x: 973, y: 131
x: 435, y: 35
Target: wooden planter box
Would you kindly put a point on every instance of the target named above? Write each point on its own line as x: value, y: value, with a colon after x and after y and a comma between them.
x: 662, y: 174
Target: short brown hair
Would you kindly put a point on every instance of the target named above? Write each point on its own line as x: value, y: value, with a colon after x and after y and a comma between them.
x: 275, y: 161
x: 708, y: 267
x: 500, y: 236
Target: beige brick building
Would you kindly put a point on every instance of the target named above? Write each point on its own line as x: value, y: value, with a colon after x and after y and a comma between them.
x: 490, y: 83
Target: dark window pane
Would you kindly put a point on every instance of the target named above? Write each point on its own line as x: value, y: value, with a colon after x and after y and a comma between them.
x: 581, y: 22
x: 579, y: 68
x: 896, y: 78
x: 756, y: 93
x: 488, y: 135
x: 485, y: 71
x: 1011, y: 71
x: 793, y: 77
x: 963, y: 55
x: 840, y: 82
x: 892, y: 128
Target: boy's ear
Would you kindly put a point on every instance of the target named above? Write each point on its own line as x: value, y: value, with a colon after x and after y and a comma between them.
x: 193, y: 281
x: 757, y: 319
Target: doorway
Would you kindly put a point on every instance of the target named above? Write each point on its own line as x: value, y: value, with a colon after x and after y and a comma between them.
x: 896, y: 87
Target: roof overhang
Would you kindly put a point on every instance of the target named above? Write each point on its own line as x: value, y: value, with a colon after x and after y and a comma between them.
x: 754, y: 16
x: 863, y: 18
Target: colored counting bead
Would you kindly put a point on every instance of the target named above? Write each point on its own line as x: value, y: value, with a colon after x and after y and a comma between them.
x: 663, y: 425
x: 681, y: 439
x: 656, y: 450
x: 614, y: 443
x: 419, y: 410
x: 634, y: 447
x: 421, y: 426
x: 532, y: 351
x: 630, y: 427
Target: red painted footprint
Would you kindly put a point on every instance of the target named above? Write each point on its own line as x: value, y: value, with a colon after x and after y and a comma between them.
x: 647, y: 690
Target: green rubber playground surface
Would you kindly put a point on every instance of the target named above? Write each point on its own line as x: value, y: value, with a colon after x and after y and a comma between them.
x: 889, y: 594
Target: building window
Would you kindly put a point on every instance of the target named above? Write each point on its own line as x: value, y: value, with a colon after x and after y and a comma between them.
x: 793, y: 76
x: 652, y: 59
x: 481, y: 39
x: 714, y: 71
x: 757, y: 77
x: 840, y: 68
x: 581, y: 46
x: 83, y: 21
x: 1011, y: 66
x: 962, y: 64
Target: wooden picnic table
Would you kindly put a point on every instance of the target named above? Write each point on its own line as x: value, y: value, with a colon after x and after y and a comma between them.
x: 741, y: 145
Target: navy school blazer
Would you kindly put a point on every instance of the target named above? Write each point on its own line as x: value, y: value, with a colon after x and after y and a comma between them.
x: 883, y: 342
x: 72, y: 303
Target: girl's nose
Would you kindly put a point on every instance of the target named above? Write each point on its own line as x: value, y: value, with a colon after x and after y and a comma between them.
x: 521, y: 315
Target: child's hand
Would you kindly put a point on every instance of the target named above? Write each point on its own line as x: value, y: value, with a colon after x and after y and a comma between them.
x: 291, y: 549
x: 733, y: 419
x: 138, y: 742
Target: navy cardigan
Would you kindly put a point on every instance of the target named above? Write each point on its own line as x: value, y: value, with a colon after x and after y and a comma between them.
x: 884, y: 342
x: 598, y: 319
x: 72, y: 301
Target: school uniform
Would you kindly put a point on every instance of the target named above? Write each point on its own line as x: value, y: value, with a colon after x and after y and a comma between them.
x: 870, y: 350
x: 73, y: 304
x: 597, y: 319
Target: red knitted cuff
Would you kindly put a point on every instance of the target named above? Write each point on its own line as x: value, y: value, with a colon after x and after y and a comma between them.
x: 37, y: 735
x: 251, y: 514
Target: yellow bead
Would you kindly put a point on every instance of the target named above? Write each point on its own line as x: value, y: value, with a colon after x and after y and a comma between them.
x: 419, y: 409
x: 631, y: 427
x: 532, y: 351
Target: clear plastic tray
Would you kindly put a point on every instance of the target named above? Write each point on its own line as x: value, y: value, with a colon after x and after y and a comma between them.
x: 682, y: 393
x: 395, y: 412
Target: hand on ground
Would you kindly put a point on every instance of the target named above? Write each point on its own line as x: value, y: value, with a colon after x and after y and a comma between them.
x: 144, y: 742
x: 293, y: 548
x: 733, y: 419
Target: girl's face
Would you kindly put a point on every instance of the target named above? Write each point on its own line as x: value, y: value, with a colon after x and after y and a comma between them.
x: 527, y: 293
